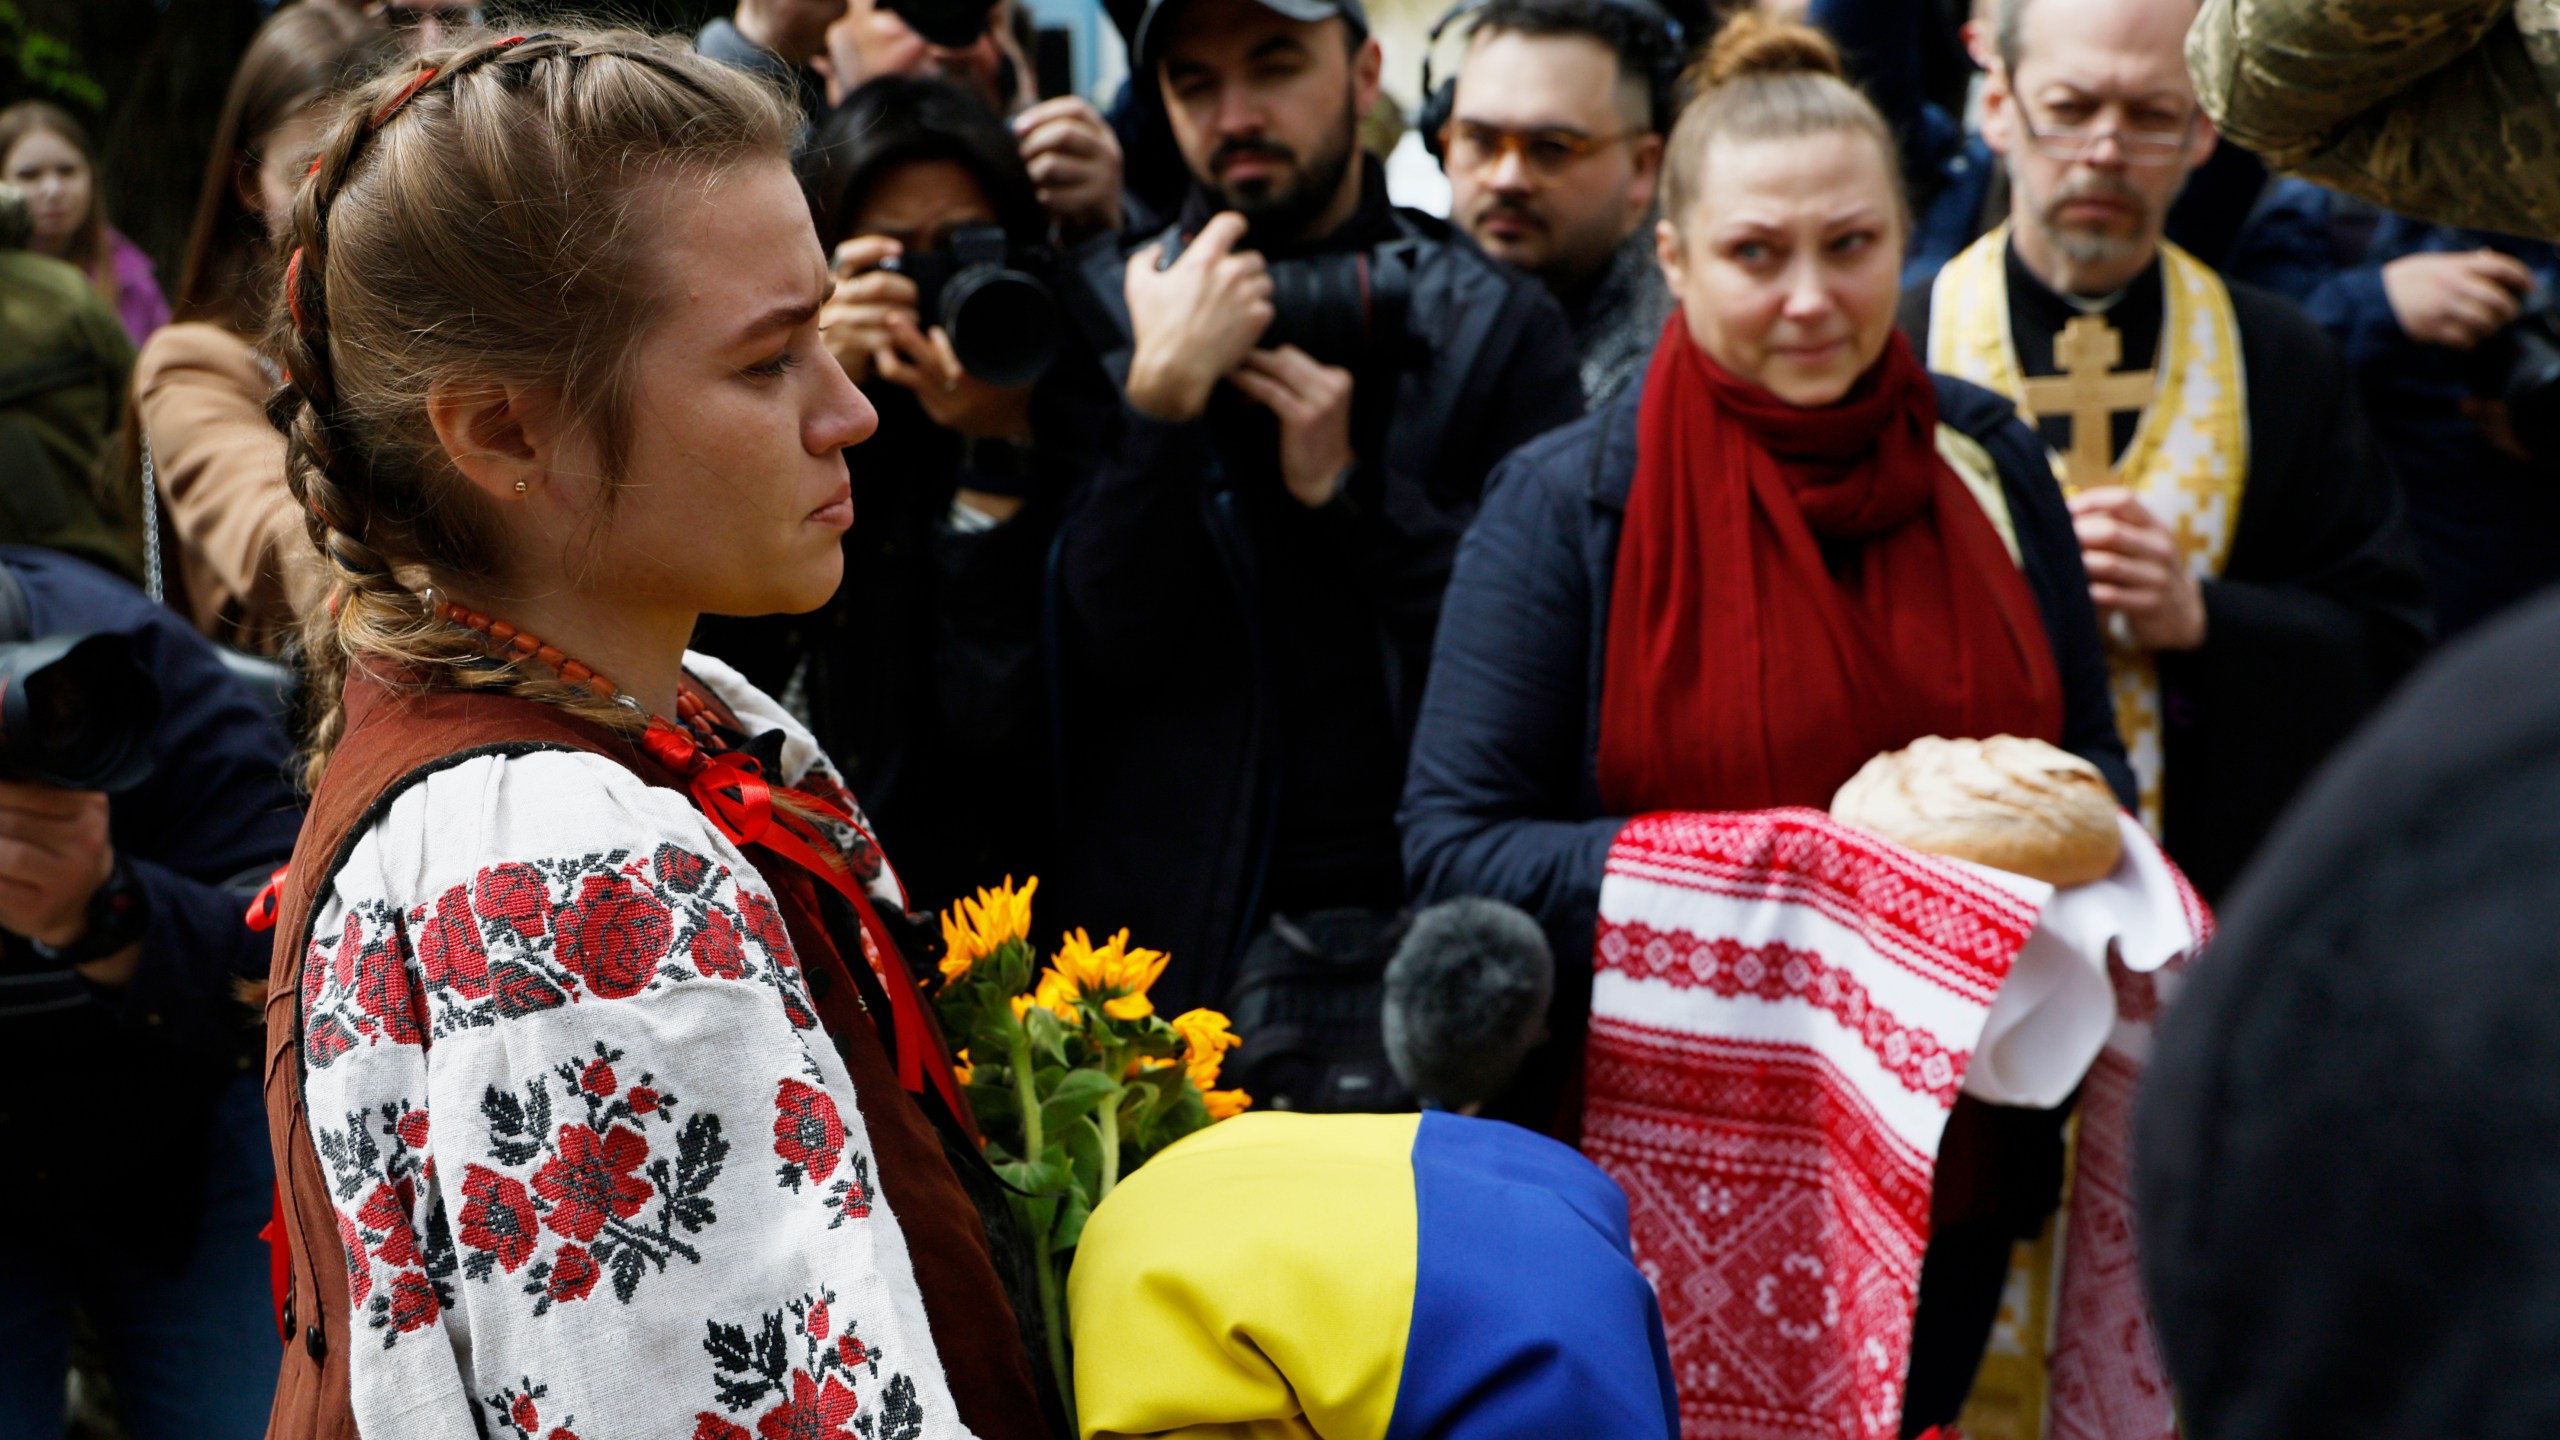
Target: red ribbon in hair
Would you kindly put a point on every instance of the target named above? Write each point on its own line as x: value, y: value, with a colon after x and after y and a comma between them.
x: 732, y: 790
x: 293, y: 291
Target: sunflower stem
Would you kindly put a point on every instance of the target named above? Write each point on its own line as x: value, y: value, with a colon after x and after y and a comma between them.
x: 1054, y: 1313
x: 1109, y: 1118
x: 1018, y: 1052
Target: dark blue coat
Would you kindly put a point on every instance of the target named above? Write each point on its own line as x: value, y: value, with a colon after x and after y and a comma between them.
x: 105, y: 1094
x: 1502, y: 797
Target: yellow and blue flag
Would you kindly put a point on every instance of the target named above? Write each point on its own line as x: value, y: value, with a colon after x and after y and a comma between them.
x: 1366, y: 1277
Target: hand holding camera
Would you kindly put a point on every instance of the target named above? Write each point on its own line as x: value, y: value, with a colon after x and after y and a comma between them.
x: 54, y: 854
x: 857, y: 315
x: 1075, y: 161
x: 953, y: 398
x: 2455, y: 300
x: 1313, y: 401
x: 1195, y: 320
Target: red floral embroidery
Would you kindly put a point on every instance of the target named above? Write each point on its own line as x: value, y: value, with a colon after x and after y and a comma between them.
x: 497, y: 1217
x: 765, y: 923
x: 807, y: 1132
x: 449, y: 948
x: 590, y: 1177
x: 413, y: 1302
x: 814, y: 1394
x: 374, y: 1173
x: 717, y: 950
x: 614, y: 935
x: 809, y: 1139
x: 515, y: 1408
x: 514, y: 895
x: 573, y: 1274
x: 621, y: 1202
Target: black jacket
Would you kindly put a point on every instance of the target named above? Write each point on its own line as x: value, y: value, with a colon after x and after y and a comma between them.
x: 1503, y: 798
x: 1232, y: 664
x: 922, y: 677
x: 105, y: 1095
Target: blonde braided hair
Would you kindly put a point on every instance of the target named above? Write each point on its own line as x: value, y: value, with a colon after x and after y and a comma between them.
x: 474, y: 219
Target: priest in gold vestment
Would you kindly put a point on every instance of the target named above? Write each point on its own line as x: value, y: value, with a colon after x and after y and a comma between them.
x: 2241, y: 531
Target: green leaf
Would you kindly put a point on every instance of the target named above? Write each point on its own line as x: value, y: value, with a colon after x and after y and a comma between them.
x: 1044, y: 1177
x: 1048, y: 1036
x: 1084, y: 1154
x: 1079, y: 1093
x: 1072, y: 1214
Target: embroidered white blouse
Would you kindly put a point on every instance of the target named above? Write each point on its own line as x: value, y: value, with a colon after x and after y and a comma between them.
x: 597, y: 1170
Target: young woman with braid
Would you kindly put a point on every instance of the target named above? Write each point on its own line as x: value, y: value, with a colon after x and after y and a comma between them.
x: 603, y: 1099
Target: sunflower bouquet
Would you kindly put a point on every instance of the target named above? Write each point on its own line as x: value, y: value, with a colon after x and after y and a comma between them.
x: 1073, y: 1077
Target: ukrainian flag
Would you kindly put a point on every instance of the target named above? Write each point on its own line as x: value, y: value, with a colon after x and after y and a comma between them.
x: 1366, y: 1277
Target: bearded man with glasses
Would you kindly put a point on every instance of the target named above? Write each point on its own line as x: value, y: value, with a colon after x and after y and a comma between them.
x: 1553, y: 142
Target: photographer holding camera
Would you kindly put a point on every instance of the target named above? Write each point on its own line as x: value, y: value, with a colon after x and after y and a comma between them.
x: 922, y: 676
x: 2451, y: 336
x: 1069, y: 150
x: 142, y: 804
x: 1316, y: 385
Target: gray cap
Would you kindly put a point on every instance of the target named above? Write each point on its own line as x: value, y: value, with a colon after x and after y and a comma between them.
x: 1158, y: 21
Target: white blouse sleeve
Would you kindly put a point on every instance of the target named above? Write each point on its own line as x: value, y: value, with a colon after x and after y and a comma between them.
x: 596, y: 1168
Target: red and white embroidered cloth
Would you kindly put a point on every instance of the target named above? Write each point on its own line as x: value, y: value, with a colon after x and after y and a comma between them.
x: 1783, y: 1012
x: 597, y: 1169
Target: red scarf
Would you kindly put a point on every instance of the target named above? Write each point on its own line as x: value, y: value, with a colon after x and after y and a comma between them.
x: 1743, y: 671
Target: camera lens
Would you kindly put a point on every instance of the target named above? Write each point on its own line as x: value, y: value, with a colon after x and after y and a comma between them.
x: 1004, y: 324
x: 76, y: 711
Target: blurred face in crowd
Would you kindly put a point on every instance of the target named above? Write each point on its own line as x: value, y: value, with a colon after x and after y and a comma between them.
x: 1266, y: 112
x: 796, y: 30
x: 284, y: 154
x: 920, y: 204
x: 1551, y: 160
x: 872, y: 40
x: 2100, y: 128
x: 424, y: 23
x: 1788, y: 264
x: 59, y: 185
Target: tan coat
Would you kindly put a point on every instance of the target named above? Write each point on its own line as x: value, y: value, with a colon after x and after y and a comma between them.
x: 245, y: 570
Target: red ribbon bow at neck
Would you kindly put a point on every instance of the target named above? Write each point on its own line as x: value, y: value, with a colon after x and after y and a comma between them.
x: 732, y: 790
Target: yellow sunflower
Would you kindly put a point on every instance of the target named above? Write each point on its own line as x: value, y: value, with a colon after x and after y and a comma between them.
x: 975, y: 928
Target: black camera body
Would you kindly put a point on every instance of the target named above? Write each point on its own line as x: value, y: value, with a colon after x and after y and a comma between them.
x: 1346, y: 308
x: 2520, y: 368
x: 76, y: 712
x: 1003, y: 320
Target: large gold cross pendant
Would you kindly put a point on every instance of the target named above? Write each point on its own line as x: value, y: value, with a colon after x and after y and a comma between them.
x: 2091, y: 395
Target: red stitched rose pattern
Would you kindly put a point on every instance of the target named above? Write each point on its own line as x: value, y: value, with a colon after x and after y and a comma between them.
x: 619, y: 1186
x: 816, y: 1385
x: 377, y: 1165
x: 528, y: 936
x: 519, y: 1411
x: 808, y: 1137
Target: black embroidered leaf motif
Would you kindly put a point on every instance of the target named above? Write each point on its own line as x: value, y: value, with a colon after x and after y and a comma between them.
x: 352, y: 1155
x: 522, y: 992
x: 901, y: 1415
x: 629, y: 1264
x: 700, y: 1151
x: 748, y: 1371
x: 480, y: 1265
x: 517, y: 1127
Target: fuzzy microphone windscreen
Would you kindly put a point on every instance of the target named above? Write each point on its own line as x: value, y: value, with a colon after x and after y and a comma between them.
x: 1466, y: 998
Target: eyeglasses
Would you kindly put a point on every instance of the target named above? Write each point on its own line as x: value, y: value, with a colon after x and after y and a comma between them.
x: 1474, y: 146
x: 2073, y: 143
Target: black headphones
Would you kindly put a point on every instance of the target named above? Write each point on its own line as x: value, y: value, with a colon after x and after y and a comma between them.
x: 1441, y: 98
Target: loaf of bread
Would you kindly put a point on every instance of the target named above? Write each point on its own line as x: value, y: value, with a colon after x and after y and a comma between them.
x: 2016, y: 805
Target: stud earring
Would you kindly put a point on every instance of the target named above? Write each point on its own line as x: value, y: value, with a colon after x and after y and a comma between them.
x: 519, y: 487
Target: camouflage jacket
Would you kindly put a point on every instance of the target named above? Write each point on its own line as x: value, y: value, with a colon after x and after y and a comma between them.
x: 2448, y: 110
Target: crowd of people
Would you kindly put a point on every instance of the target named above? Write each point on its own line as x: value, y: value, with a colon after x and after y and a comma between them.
x: 604, y: 535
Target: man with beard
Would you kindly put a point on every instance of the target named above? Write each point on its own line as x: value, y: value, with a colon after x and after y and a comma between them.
x: 1553, y: 144
x: 1315, y: 386
x: 2242, y: 532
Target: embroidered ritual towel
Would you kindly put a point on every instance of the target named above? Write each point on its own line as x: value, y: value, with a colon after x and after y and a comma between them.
x: 1783, y: 1012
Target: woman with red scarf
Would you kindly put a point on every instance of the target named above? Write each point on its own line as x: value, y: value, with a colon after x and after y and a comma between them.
x: 1789, y: 549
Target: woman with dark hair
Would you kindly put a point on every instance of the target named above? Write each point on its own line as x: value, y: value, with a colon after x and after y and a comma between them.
x: 923, y: 676
x: 46, y: 153
x: 229, y: 529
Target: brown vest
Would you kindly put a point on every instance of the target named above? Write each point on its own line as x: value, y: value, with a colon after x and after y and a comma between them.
x: 394, y: 738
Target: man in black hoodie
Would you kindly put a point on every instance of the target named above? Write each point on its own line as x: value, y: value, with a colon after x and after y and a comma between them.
x: 1315, y: 386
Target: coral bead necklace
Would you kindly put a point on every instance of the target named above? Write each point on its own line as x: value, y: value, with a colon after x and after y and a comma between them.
x: 512, y: 643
